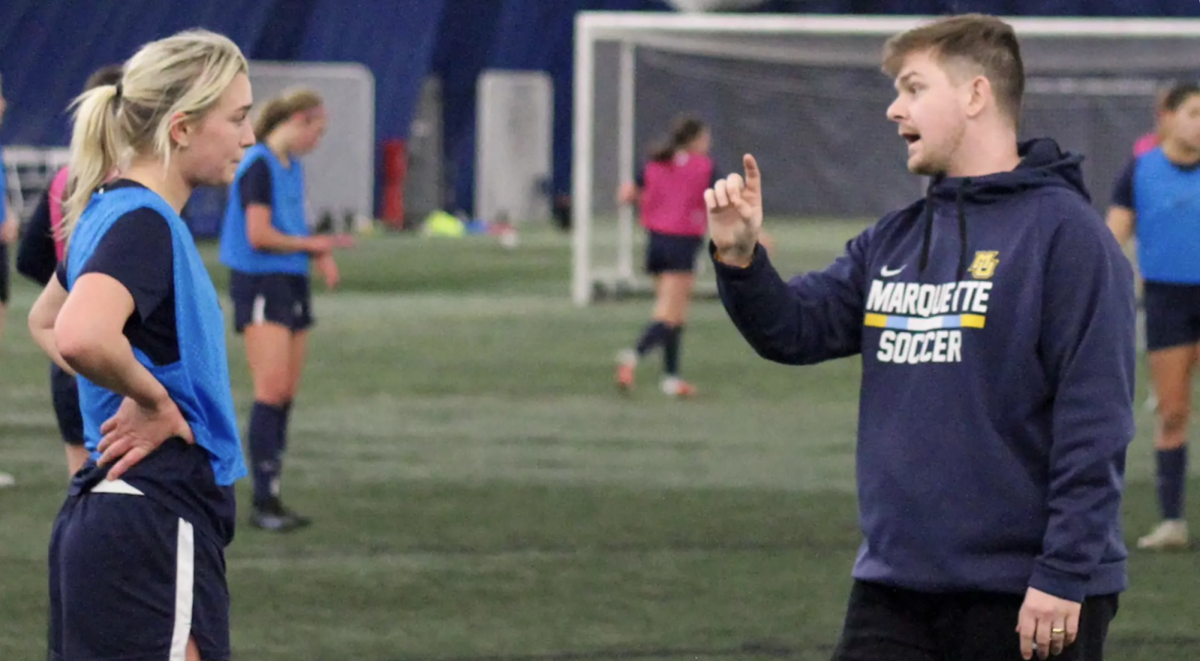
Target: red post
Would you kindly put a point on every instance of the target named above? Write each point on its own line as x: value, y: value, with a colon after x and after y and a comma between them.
x: 395, y: 167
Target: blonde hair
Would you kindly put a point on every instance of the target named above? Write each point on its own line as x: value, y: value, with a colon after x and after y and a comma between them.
x: 281, y: 108
x: 184, y: 74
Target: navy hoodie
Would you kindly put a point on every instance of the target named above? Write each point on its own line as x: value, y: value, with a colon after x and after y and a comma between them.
x: 995, y: 319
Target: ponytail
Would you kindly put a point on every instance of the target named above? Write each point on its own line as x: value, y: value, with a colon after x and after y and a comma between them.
x: 95, y: 150
x: 184, y: 74
x: 663, y: 151
x: 684, y: 130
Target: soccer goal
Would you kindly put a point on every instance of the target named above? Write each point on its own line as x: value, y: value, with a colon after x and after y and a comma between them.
x: 806, y: 96
x: 29, y: 171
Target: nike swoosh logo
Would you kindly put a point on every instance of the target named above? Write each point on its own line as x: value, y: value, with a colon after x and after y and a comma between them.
x: 887, y: 273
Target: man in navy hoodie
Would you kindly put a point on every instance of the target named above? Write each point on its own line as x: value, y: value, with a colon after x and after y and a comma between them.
x: 995, y: 319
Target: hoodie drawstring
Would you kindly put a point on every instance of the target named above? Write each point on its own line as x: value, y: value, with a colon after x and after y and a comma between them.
x: 928, y: 229
x: 960, y: 204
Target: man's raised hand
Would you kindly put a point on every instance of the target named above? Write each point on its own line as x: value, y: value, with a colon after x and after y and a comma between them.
x: 735, y: 214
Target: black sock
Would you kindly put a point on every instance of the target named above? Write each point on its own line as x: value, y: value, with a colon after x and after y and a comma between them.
x: 654, y: 335
x: 283, y: 431
x: 1172, y: 476
x: 266, y: 422
x: 671, y: 350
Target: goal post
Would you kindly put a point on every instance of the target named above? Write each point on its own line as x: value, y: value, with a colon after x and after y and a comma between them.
x: 805, y: 91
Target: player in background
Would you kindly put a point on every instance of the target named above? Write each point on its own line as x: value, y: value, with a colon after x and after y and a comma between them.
x: 670, y: 194
x: 137, y: 567
x: 1155, y: 201
x: 41, y: 249
x: 266, y: 244
x: 8, y: 234
x: 995, y: 322
x: 9, y: 226
x: 1141, y: 146
x: 1161, y: 126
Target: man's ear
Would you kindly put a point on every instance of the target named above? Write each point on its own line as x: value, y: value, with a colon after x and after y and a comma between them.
x: 980, y: 93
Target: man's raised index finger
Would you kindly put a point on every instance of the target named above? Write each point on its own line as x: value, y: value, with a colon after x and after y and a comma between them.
x: 752, y: 174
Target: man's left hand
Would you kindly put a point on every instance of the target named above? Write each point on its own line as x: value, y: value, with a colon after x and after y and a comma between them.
x: 1050, y: 622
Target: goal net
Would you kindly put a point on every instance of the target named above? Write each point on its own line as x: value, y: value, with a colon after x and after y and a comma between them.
x: 28, y: 172
x: 805, y: 95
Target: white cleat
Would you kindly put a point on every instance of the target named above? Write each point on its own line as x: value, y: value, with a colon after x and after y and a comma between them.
x: 7, y: 480
x: 1168, y: 535
x: 627, y: 357
x: 626, y: 365
x: 673, y: 386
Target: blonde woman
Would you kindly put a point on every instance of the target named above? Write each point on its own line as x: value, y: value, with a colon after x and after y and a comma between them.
x: 137, y: 567
x: 266, y: 244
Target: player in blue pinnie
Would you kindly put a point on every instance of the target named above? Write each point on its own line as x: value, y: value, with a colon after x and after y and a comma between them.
x: 137, y: 567
x: 1157, y: 200
x: 265, y: 242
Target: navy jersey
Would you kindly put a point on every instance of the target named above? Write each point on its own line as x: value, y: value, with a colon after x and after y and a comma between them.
x: 1165, y: 197
x: 36, y: 256
x: 137, y: 253
x: 177, y: 332
x: 263, y: 179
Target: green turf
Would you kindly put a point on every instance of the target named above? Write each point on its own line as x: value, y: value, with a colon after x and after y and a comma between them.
x: 481, y: 492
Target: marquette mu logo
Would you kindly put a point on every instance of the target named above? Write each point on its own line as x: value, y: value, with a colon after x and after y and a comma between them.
x: 985, y: 264
x: 925, y: 323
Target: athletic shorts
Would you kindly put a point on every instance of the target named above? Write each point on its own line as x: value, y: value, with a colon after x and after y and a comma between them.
x: 131, y: 581
x: 277, y: 298
x: 670, y: 253
x: 64, y: 390
x: 1172, y: 314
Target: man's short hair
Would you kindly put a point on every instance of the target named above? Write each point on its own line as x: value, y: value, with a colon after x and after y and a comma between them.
x: 985, y: 45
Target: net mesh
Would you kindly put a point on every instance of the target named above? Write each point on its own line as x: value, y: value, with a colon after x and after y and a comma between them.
x: 811, y: 108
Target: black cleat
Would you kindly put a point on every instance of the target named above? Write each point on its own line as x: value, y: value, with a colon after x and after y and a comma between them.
x: 272, y: 516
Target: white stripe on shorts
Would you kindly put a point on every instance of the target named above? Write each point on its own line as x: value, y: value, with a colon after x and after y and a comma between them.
x: 116, y: 486
x: 258, y: 313
x: 185, y: 575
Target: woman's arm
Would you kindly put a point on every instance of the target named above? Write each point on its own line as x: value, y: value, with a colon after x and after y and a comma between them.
x: 42, y: 317
x: 263, y: 235
x: 89, y: 335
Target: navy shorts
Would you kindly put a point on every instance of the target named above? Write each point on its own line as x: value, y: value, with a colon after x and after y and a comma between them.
x: 64, y: 389
x: 1172, y: 314
x: 670, y: 253
x: 277, y: 298
x: 131, y: 581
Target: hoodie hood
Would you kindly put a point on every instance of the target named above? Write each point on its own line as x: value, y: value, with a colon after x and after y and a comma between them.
x: 1043, y: 165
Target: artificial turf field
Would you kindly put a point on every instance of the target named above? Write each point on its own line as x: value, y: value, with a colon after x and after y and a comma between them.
x: 480, y: 491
